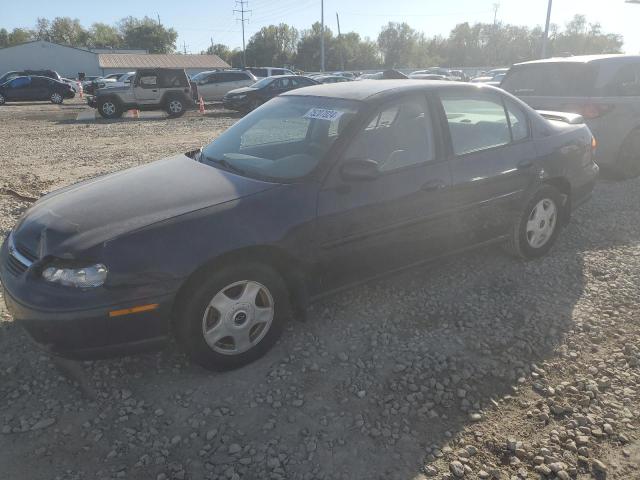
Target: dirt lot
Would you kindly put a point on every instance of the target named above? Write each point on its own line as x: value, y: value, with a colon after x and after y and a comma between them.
x: 480, y: 366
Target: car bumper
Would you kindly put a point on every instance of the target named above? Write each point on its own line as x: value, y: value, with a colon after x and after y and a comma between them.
x: 583, y: 185
x: 232, y: 104
x: 101, y: 327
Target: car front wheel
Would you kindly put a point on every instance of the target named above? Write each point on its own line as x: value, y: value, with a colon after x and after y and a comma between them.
x: 108, y: 108
x: 56, y: 98
x: 537, y: 228
x: 234, y: 316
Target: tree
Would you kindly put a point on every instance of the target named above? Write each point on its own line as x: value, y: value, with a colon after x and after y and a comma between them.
x: 582, y: 38
x: 273, y: 45
x: 220, y: 50
x: 4, y: 38
x: 102, y: 35
x: 42, y: 30
x: 147, y: 34
x: 19, y: 35
x: 68, y: 31
x: 400, y: 44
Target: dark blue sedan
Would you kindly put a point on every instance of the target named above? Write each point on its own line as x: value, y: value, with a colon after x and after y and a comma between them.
x: 317, y: 189
x: 34, y: 88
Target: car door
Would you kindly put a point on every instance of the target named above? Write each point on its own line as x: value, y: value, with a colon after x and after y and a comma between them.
x: 40, y: 88
x: 492, y: 160
x: 146, y: 89
x: 228, y: 81
x: 368, y: 226
x: 207, y: 87
x: 19, y: 89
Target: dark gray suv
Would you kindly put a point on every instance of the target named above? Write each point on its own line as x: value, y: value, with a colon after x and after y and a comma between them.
x: 604, y: 89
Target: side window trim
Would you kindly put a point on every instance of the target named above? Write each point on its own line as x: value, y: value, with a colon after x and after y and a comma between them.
x: 508, y: 114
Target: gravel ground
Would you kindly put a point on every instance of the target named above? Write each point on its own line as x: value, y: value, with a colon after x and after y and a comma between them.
x: 479, y: 366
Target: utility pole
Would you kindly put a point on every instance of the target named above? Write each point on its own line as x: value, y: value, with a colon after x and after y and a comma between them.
x: 322, y: 35
x: 545, y: 39
x: 496, y: 7
x: 184, y: 47
x: 340, y: 43
x: 159, y: 23
x: 241, y: 9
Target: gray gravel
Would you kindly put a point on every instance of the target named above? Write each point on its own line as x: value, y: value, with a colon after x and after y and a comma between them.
x: 479, y: 366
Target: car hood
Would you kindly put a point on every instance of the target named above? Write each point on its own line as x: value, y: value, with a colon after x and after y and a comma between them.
x: 241, y: 90
x: 87, y: 214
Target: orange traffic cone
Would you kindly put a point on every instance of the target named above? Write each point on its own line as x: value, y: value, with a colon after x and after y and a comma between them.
x: 135, y: 113
x: 201, y: 105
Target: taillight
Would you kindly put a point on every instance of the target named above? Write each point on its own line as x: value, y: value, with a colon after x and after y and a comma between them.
x: 589, y: 110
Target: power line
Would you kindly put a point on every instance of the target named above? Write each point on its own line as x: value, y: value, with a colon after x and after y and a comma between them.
x: 242, y: 10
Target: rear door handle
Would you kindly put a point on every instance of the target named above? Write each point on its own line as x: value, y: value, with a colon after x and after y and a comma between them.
x: 433, y: 185
x: 154, y: 90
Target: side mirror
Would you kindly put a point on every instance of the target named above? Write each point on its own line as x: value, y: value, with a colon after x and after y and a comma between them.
x: 360, y: 169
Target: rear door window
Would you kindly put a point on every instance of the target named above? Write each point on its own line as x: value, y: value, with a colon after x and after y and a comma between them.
x: 20, y: 82
x: 476, y: 121
x: 625, y: 83
x: 565, y: 79
x: 172, y: 79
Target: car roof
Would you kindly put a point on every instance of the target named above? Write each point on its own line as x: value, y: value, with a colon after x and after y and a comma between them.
x: 584, y: 59
x: 364, y: 90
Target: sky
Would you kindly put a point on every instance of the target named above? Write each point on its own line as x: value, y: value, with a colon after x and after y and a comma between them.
x: 199, y: 21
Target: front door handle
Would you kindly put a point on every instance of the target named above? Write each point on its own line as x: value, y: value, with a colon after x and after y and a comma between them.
x: 523, y: 165
x: 433, y: 185
x: 155, y: 90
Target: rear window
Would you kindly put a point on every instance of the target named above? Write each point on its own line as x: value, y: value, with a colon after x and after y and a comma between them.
x: 172, y: 79
x: 550, y: 80
x: 259, y: 72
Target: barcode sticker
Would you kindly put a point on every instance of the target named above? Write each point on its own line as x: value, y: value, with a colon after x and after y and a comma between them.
x: 323, y: 114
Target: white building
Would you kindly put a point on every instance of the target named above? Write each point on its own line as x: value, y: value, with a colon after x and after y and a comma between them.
x: 70, y: 61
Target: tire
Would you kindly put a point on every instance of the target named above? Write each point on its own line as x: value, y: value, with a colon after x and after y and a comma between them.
x: 2, y: 99
x: 175, y: 107
x: 628, y: 164
x: 529, y: 239
x: 109, y: 108
x: 56, y: 98
x: 232, y: 304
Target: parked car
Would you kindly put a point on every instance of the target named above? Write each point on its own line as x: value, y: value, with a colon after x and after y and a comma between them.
x: 72, y: 83
x: 167, y: 89
x: 495, y: 75
x: 459, y: 76
x: 249, y: 98
x: 21, y: 89
x: 124, y: 80
x: 445, y: 72
x: 331, y: 79
x: 428, y: 76
x: 604, y: 89
x: 213, y: 86
x: 27, y: 73
x: 371, y: 76
x: 318, y: 188
x: 263, y: 72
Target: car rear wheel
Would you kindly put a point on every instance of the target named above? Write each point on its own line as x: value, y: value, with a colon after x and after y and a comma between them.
x: 175, y: 107
x: 2, y: 99
x: 537, y: 228
x: 234, y: 316
x: 628, y: 165
x: 56, y: 98
x: 109, y: 108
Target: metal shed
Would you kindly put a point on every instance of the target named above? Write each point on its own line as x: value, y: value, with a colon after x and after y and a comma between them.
x: 43, y: 55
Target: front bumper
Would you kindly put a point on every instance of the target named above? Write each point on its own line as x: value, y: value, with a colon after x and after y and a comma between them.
x: 85, y: 328
x: 235, y: 104
x: 583, y: 185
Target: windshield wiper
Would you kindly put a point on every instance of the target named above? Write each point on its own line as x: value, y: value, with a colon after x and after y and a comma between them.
x: 224, y: 164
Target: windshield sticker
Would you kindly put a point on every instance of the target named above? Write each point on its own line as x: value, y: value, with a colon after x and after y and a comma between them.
x: 323, y: 114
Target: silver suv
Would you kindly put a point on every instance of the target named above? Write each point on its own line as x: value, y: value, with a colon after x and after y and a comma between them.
x: 167, y: 89
x: 604, y: 89
x: 212, y: 86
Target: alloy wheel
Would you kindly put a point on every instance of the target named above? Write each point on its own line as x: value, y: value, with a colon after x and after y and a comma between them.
x: 175, y: 106
x: 541, y: 223
x: 238, y: 317
x: 56, y: 98
x: 108, y: 108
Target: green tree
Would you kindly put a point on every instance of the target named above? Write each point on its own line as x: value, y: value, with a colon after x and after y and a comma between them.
x: 147, y: 34
x: 102, y: 35
x: 43, y: 29
x: 273, y: 45
x: 581, y: 38
x: 19, y: 35
x: 219, y: 49
x: 4, y: 38
x: 398, y: 43
x: 68, y: 31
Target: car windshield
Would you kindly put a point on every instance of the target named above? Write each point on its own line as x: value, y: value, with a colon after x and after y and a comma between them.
x: 262, y: 83
x: 284, y: 139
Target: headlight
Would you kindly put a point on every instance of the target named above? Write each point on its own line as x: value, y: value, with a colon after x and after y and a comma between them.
x: 238, y: 97
x: 86, y: 277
